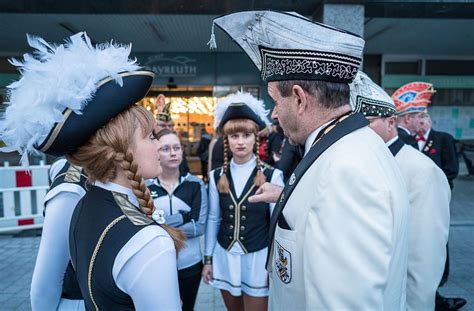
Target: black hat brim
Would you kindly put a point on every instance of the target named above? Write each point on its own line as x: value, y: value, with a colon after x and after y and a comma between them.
x: 241, y: 111
x: 109, y: 100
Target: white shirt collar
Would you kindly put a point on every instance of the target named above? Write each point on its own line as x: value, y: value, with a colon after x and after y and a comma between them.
x: 252, y: 162
x: 427, y: 134
x: 391, y: 141
x: 310, y: 140
x: 118, y: 188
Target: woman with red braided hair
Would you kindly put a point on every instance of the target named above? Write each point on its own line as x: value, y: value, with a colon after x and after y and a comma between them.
x: 78, y: 101
x: 236, y: 263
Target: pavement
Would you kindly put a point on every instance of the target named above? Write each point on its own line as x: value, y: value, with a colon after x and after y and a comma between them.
x: 18, y: 255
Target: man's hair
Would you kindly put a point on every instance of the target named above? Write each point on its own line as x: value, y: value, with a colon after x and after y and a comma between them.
x: 328, y: 94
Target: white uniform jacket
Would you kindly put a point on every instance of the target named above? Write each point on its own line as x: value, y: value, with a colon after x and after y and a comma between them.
x: 428, y: 229
x: 347, y: 247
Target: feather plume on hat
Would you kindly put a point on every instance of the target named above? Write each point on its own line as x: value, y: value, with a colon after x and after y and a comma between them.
x: 256, y: 105
x: 53, y: 79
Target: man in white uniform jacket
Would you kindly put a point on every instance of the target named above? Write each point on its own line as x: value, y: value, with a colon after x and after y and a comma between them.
x: 338, y: 235
x: 428, y: 191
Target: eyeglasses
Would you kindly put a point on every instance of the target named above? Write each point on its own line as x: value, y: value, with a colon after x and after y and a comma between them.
x: 167, y: 149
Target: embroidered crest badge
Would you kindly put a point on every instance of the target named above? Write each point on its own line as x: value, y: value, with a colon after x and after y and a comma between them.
x: 292, y: 179
x: 283, y: 263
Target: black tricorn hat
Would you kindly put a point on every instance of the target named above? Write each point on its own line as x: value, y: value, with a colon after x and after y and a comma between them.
x: 109, y: 100
x: 241, y: 111
x: 67, y: 92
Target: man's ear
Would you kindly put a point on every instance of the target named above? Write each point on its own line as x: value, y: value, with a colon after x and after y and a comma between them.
x: 301, y: 98
x: 393, y: 121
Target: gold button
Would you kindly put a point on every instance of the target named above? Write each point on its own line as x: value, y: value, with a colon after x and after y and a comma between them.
x: 243, y: 217
x: 242, y: 228
x: 242, y: 238
x: 231, y: 207
x: 231, y: 227
x: 244, y: 207
x: 231, y: 216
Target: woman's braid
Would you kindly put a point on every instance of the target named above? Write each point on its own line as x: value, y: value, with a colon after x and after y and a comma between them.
x: 223, y: 184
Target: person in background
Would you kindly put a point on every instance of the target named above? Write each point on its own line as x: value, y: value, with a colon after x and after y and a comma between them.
x: 54, y: 285
x: 411, y: 100
x: 183, y: 199
x: 440, y: 147
x: 203, y: 153
x: 338, y: 235
x: 164, y: 121
x: 85, y: 110
x: 262, y: 150
x: 237, y: 231
x: 428, y: 191
x: 274, y: 146
x: 290, y: 157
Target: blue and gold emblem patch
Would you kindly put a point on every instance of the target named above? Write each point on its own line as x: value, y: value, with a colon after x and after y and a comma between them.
x: 283, y: 263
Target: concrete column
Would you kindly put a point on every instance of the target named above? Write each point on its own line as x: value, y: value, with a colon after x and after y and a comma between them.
x: 349, y: 17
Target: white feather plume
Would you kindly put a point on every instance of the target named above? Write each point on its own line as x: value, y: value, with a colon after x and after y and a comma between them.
x: 54, y: 78
x: 240, y: 97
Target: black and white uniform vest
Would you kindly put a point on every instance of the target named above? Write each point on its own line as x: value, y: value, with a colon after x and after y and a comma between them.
x: 243, y: 222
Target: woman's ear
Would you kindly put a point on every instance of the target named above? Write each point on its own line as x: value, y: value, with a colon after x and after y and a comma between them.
x: 300, y: 98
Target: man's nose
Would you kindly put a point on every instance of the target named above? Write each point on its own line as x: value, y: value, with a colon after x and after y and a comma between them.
x: 274, y: 115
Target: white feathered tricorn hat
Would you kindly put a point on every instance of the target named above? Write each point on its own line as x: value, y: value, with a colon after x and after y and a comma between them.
x: 240, y: 105
x: 67, y: 92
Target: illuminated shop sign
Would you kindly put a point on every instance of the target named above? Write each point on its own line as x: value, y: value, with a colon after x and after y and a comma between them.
x: 179, y: 66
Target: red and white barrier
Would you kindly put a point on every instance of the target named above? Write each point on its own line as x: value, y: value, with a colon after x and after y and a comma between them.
x: 21, y: 197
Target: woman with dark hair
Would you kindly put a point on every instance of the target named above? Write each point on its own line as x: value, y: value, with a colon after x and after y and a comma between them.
x: 237, y: 231
x: 183, y: 199
x: 79, y: 101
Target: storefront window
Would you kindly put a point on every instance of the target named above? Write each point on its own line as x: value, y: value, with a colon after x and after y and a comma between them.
x: 190, y: 115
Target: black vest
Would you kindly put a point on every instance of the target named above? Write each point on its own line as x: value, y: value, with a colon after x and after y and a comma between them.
x: 70, y: 174
x: 243, y: 222
x: 98, y: 210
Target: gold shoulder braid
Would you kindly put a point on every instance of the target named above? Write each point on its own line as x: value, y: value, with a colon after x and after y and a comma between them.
x: 94, y: 255
x: 331, y: 126
x: 73, y: 174
x: 136, y: 216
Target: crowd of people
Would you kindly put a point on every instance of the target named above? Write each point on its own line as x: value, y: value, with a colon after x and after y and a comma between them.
x: 344, y: 207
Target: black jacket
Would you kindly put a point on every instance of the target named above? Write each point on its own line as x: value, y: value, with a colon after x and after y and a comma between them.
x: 407, y: 138
x: 441, y: 149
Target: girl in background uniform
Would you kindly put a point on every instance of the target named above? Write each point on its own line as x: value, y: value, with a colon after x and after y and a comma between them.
x: 237, y: 231
x: 79, y: 101
x: 183, y: 199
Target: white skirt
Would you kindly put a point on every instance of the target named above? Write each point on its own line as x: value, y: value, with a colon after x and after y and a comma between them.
x: 236, y: 273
